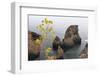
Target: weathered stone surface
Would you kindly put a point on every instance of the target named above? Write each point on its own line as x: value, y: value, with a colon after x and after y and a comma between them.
x: 33, y: 48
x: 57, y: 47
x: 84, y: 52
x: 71, y: 37
x: 56, y: 43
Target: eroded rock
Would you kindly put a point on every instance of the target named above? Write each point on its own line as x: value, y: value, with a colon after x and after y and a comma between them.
x: 58, y: 48
x: 71, y: 37
x: 84, y: 52
x: 34, y: 46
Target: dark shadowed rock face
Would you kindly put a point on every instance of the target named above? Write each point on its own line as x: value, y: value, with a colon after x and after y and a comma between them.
x: 71, y: 37
x: 57, y: 48
x: 34, y: 35
x: 84, y: 52
x: 56, y: 43
x: 33, y: 48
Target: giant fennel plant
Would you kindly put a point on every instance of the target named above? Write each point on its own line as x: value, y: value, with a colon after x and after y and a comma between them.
x: 47, y: 33
x: 46, y: 29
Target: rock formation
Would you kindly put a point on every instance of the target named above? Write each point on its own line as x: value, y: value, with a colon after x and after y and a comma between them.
x: 71, y: 37
x: 84, y: 52
x: 34, y: 46
x: 58, y: 48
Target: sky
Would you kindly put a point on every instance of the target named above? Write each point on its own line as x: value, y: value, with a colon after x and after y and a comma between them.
x: 60, y: 24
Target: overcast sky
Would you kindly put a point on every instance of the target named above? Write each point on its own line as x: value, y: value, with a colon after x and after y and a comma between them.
x: 60, y: 24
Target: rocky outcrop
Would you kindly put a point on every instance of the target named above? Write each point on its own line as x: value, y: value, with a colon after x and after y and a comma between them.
x: 33, y: 47
x: 56, y: 43
x: 84, y: 52
x: 71, y: 37
x: 58, y: 48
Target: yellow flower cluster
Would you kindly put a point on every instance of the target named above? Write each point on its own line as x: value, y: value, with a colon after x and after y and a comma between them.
x: 46, y: 21
x: 37, y: 41
x: 44, y: 28
x: 48, y: 49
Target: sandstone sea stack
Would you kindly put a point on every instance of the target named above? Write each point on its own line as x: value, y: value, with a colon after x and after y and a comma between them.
x: 71, y: 37
x: 33, y: 47
x: 57, y: 46
x: 84, y: 52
